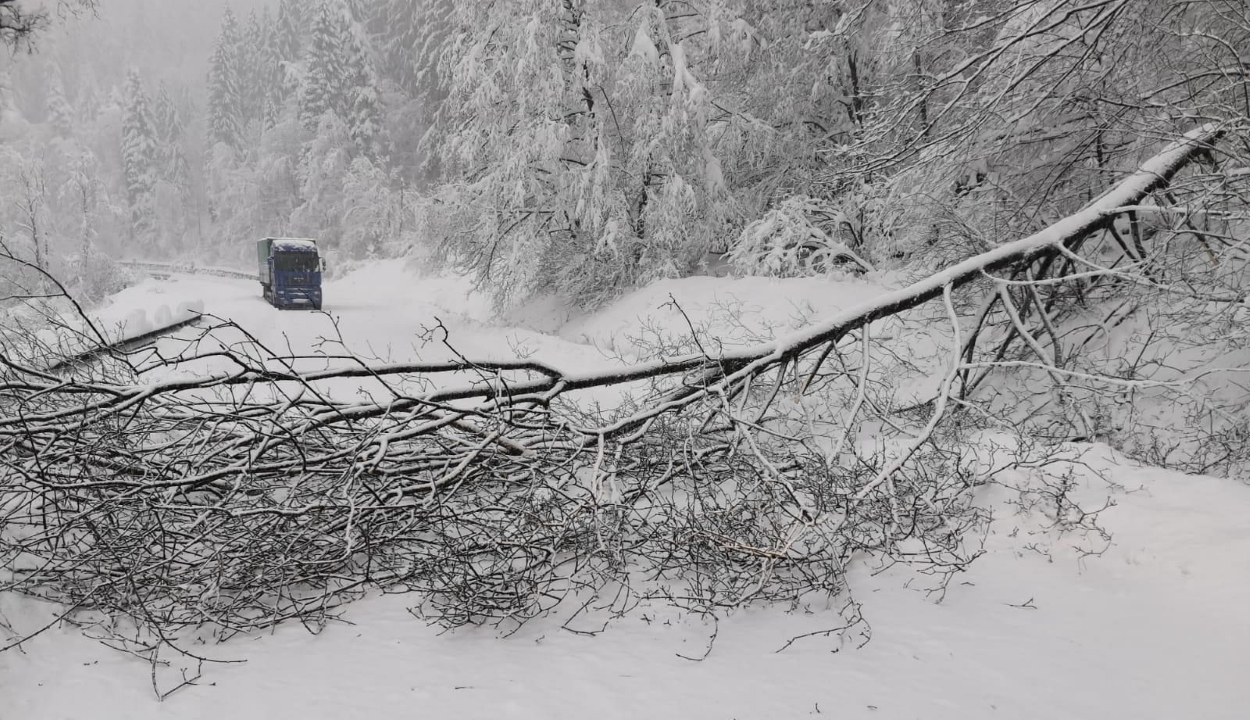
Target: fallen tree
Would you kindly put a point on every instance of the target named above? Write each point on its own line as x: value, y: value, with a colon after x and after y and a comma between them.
x: 149, y: 499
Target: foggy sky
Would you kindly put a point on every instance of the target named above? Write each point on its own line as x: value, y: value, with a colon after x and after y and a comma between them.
x: 167, y: 40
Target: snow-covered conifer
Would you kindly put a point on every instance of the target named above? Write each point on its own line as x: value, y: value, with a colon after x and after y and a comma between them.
x: 323, y: 83
x: 253, y: 71
x: 290, y: 32
x: 399, y: 42
x: 322, y: 171
x: 270, y: 76
x: 174, y: 171
x: 361, y: 104
x: 140, y: 156
x: 225, y: 121
x: 60, y: 114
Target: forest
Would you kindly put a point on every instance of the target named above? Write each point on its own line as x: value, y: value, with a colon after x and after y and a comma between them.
x: 582, y: 148
x: 1050, y: 197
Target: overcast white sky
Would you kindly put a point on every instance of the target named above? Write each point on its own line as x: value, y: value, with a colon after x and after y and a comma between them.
x: 168, y: 40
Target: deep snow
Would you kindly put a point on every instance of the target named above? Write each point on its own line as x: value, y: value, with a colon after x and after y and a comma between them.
x: 1154, y: 627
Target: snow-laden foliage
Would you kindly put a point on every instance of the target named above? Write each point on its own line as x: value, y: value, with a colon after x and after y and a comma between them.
x: 584, y: 141
x: 321, y: 178
x: 321, y: 88
x: 800, y: 236
x: 582, y: 147
x: 290, y: 30
x: 60, y: 114
x: 141, y: 156
x: 340, y: 79
x: 20, y: 23
x: 225, y: 112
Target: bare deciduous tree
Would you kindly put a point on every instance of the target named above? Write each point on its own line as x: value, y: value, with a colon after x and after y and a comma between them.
x: 19, y: 24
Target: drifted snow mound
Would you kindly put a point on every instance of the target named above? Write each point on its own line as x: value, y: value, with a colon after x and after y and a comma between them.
x: 187, y: 308
x: 734, y: 311
x: 135, y: 324
x: 138, y: 322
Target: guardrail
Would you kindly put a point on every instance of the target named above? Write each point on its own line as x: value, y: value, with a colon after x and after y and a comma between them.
x: 167, y: 269
x: 125, y: 344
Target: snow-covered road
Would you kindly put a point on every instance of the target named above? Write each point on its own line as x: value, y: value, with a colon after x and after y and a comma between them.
x: 383, y: 313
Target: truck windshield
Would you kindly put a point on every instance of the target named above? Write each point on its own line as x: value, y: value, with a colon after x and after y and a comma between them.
x: 295, y: 262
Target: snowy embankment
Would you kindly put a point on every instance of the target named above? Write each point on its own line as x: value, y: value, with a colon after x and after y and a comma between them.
x: 137, y: 322
x: 66, y: 338
x: 1046, y: 624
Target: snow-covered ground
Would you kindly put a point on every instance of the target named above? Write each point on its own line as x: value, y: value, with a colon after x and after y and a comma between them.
x: 1154, y: 627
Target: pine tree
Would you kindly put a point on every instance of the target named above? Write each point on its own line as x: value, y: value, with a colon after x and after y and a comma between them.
x: 341, y: 79
x: 360, y: 11
x: 60, y: 114
x: 165, y: 117
x: 410, y: 41
x: 140, y: 156
x: 323, y: 169
x: 323, y: 86
x: 88, y: 100
x: 271, y: 77
x: 251, y: 70
x: 397, y: 42
x: 225, y: 119
x: 172, y: 160
x: 290, y: 37
x: 361, y: 103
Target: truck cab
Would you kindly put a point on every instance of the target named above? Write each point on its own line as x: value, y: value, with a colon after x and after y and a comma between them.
x: 290, y: 272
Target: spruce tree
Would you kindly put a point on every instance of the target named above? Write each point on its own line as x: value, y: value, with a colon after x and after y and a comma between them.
x: 139, y: 156
x: 290, y: 43
x: 410, y: 42
x: 251, y: 70
x: 323, y: 86
x: 172, y: 160
x: 60, y: 114
x: 360, y: 10
x: 397, y: 41
x: 165, y: 117
x: 225, y: 121
x: 361, y: 103
x: 88, y: 100
x: 270, y: 75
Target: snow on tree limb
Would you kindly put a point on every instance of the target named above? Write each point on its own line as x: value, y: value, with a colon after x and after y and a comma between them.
x: 548, y: 382
x: 1153, y: 174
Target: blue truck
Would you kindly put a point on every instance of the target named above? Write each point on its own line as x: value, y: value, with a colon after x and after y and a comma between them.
x: 290, y: 272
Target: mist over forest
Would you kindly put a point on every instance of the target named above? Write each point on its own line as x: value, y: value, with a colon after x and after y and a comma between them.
x: 583, y: 148
x: 178, y: 130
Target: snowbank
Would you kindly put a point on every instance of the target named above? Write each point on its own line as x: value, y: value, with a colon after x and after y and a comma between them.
x: 738, y: 311
x: 144, y: 319
x: 57, y: 332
